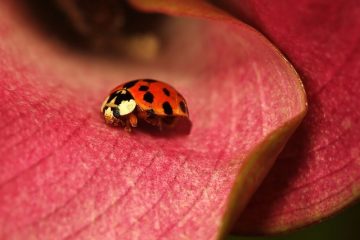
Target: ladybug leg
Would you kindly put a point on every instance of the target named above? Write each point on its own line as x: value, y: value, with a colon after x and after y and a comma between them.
x: 127, y: 126
x: 121, y: 122
x: 169, y: 121
x: 160, y: 124
x: 155, y: 121
x: 133, y: 120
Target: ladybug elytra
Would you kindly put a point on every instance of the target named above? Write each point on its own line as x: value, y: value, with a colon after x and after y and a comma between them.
x: 153, y: 101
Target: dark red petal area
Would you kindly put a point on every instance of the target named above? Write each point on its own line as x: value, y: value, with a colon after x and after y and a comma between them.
x: 319, y: 171
x: 64, y: 174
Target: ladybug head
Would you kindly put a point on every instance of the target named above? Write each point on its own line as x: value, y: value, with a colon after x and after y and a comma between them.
x: 118, y: 104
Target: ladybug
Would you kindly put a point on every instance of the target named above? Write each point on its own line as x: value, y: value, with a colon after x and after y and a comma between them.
x: 153, y: 101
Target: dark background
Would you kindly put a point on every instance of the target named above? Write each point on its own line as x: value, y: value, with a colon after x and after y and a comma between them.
x: 344, y: 226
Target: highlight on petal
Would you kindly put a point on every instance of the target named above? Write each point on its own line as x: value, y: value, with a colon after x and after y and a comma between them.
x: 66, y: 174
x: 318, y: 174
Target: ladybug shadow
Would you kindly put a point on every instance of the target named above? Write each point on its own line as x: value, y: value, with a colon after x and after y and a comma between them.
x: 181, y: 128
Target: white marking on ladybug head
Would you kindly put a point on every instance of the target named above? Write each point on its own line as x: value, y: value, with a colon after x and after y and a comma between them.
x: 126, y: 107
x: 108, y: 115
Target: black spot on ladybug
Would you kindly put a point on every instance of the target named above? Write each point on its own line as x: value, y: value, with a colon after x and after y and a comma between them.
x: 182, y: 106
x: 166, y: 91
x: 150, y: 80
x: 130, y: 84
x: 143, y: 88
x: 115, y: 112
x: 123, y: 96
x: 167, y: 108
x: 148, y: 97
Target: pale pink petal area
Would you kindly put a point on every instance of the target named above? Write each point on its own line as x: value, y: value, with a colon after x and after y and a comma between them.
x: 66, y: 175
x: 318, y: 174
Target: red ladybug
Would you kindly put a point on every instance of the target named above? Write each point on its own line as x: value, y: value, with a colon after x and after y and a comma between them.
x: 153, y: 101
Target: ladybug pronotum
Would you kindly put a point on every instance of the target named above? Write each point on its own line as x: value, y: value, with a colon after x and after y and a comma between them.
x: 153, y: 101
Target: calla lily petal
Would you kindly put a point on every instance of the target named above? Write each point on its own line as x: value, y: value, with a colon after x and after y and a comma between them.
x: 318, y: 173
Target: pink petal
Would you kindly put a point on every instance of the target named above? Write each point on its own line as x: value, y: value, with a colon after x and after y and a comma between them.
x: 65, y: 174
x: 319, y: 172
